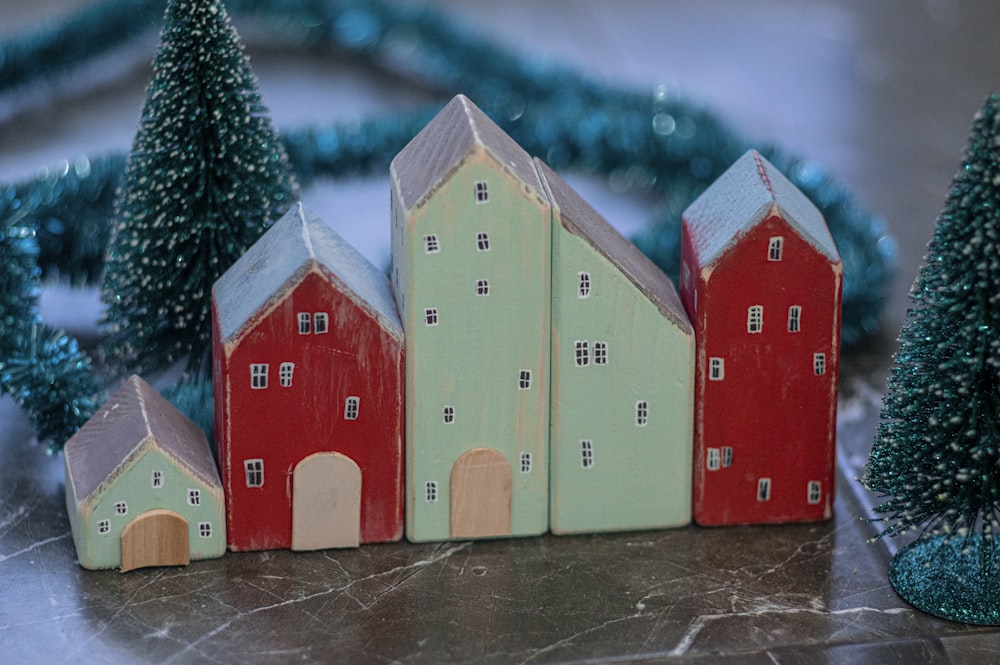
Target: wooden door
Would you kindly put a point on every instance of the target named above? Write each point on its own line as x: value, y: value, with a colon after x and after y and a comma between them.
x: 480, y: 494
x: 326, y: 502
x: 155, y: 538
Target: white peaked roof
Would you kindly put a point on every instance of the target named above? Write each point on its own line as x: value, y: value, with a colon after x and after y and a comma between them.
x: 298, y: 243
x: 748, y: 192
x: 436, y: 152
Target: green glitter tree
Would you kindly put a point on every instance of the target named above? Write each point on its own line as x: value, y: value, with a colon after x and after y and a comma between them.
x: 206, y: 176
x: 936, y: 454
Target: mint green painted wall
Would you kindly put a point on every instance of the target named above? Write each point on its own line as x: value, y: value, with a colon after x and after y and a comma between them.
x: 471, y: 360
x: 134, y: 486
x: 641, y: 476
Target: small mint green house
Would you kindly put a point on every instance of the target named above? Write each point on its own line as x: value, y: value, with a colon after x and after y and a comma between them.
x: 622, y: 377
x: 142, y: 487
x: 470, y: 250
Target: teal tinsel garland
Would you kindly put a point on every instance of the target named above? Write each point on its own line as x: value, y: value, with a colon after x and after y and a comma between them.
x: 652, y: 144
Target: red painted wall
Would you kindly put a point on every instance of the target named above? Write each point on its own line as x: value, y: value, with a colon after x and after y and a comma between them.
x: 775, y: 413
x: 280, y: 425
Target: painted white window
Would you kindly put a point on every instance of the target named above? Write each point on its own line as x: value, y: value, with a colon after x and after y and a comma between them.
x: 600, y: 353
x: 448, y: 415
x: 524, y: 379
x: 755, y: 318
x: 774, y: 247
x: 103, y: 526
x: 586, y: 453
x: 321, y: 322
x: 157, y: 479
x: 482, y: 192
x: 121, y: 508
x: 194, y: 497
x: 431, y: 316
x: 258, y: 376
x: 431, y: 491
x: 482, y: 242
x: 814, y: 492
x: 712, y: 461
x: 582, y: 353
x: 716, y: 369
x: 482, y: 287
x: 583, y: 287
x: 764, y: 489
x: 525, y: 462
x: 205, y: 529
x: 285, y: 372
x: 254, y: 469
x: 727, y: 457
x: 431, y: 244
x: 819, y: 364
x: 351, y: 405
x: 641, y: 413
x: 794, y: 319
x: 305, y: 323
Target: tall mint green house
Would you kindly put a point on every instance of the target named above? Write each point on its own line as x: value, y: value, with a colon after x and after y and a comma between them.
x: 622, y: 372
x: 471, y: 249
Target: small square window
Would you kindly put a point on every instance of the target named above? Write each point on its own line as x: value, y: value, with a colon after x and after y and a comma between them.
x: 819, y: 364
x: 321, y: 323
x: 205, y: 529
x: 774, y: 247
x: 448, y: 415
x: 794, y: 319
x: 582, y: 349
x: 305, y: 323
x: 583, y: 286
x: 600, y: 353
x: 482, y: 192
x: 525, y: 462
x: 482, y: 242
x: 641, y: 413
x: 103, y: 526
x: 814, y: 492
x: 254, y: 469
x: 258, y: 376
x: 727, y: 457
x: 755, y: 318
x: 587, y: 454
x: 157, y: 479
x: 431, y: 316
x: 431, y: 244
x: 194, y: 497
x: 524, y: 379
x: 712, y: 461
x: 351, y: 405
x: 764, y: 489
x: 121, y: 508
x: 285, y: 372
x: 716, y: 369
x: 431, y: 491
x: 482, y: 287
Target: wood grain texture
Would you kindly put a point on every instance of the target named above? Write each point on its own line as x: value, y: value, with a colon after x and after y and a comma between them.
x: 155, y: 538
x: 480, y: 495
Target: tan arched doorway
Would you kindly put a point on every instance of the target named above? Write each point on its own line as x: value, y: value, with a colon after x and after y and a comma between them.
x: 480, y: 494
x: 155, y: 538
x: 326, y: 502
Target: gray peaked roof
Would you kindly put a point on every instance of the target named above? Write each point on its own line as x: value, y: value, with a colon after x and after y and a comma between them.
x: 437, y: 151
x: 580, y: 219
x: 136, y: 417
x: 741, y: 198
x: 297, y: 243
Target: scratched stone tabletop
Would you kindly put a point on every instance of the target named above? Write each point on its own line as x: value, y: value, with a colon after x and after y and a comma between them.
x: 882, y: 94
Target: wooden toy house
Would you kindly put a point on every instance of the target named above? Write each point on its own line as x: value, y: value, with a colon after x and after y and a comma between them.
x: 308, y: 380
x: 470, y: 249
x: 142, y: 488
x: 622, y: 379
x: 761, y: 281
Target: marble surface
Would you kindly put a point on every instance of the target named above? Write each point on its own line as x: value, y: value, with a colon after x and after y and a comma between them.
x: 881, y: 93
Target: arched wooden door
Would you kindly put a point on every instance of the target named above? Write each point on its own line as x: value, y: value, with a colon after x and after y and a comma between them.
x: 480, y: 494
x: 155, y: 538
x: 326, y: 502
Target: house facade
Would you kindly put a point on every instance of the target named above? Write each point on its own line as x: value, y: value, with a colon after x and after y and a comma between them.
x: 761, y: 281
x: 622, y: 360
x: 308, y: 379
x: 470, y: 248
x: 142, y: 488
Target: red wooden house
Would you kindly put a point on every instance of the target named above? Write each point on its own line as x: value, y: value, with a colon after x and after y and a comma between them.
x: 761, y: 281
x: 308, y: 380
